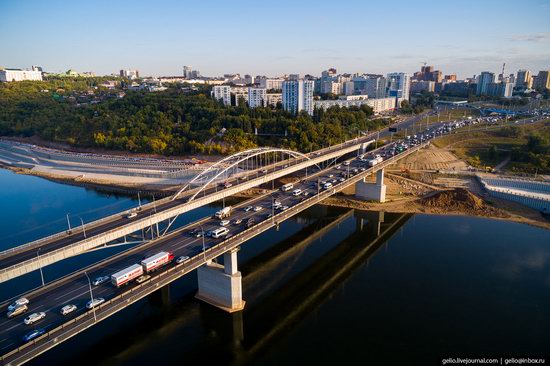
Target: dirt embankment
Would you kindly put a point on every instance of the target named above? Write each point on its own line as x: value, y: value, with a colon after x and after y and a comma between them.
x: 459, y: 200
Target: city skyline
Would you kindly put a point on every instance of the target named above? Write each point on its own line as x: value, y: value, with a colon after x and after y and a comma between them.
x: 219, y: 38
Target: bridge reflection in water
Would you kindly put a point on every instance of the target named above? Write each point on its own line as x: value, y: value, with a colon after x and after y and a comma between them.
x: 282, y: 284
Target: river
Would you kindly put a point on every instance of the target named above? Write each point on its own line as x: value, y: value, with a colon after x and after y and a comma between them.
x: 331, y: 286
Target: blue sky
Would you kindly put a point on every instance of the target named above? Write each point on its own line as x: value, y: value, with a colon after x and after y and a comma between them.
x: 274, y: 37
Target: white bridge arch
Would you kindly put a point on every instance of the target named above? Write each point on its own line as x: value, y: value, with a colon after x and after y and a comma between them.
x: 221, y: 168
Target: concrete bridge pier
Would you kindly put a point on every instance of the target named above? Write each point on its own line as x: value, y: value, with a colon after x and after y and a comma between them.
x: 221, y: 286
x: 372, y: 191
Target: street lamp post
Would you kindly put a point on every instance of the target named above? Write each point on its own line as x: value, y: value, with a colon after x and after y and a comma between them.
x: 83, y: 228
x: 69, y: 224
x: 41, y: 273
x: 203, y: 243
x: 91, y: 295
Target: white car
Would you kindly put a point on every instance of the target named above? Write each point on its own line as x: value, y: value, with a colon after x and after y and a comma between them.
x: 33, y: 318
x: 100, y: 280
x: 283, y: 208
x: 224, y: 222
x: 67, y: 309
x: 142, y: 278
x: 258, y: 208
x: 95, y: 302
x: 17, y: 303
x: 182, y: 259
x: 248, y: 208
x: 346, y: 163
x: 131, y: 215
x: 297, y: 192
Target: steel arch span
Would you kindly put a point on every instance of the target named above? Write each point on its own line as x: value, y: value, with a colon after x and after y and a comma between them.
x: 232, y: 162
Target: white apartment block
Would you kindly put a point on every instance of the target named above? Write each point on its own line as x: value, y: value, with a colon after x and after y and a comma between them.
x: 240, y: 93
x: 272, y: 83
x: 398, y: 85
x: 298, y: 96
x: 378, y: 104
x: 223, y: 93
x: 274, y: 98
x: 7, y: 75
x: 257, y: 97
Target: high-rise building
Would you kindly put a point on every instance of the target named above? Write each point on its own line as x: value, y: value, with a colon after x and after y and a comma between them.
x: 248, y: 79
x: 398, y: 84
x: 223, y: 93
x: 129, y: 74
x: 189, y: 73
x: 298, y: 95
x: 375, y: 87
x: 450, y: 77
x: 524, y: 79
x: 542, y: 80
x: 503, y: 89
x: 257, y: 97
x: 272, y: 83
x: 483, y: 82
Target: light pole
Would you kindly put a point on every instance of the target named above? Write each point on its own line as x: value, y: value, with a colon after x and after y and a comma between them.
x: 203, y: 244
x: 139, y: 202
x: 41, y: 274
x: 83, y: 228
x: 91, y: 295
x: 69, y: 231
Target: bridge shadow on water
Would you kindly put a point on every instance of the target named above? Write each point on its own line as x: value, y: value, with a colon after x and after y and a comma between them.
x: 283, y: 281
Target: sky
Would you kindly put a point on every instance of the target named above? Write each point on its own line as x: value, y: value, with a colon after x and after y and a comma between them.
x: 275, y: 37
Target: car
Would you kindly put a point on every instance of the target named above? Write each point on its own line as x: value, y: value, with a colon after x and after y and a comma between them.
x: 331, y: 176
x: 94, y: 302
x: 237, y: 221
x: 297, y: 192
x: 362, y: 169
x: 268, y: 216
x: 224, y: 222
x: 248, y: 208
x: 32, y: 335
x: 17, y: 311
x: 143, y: 278
x: 17, y: 303
x: 67, y: 309
x: 228, y: 184
x: 250, y: 222
x: 339, y: 167
x: 346, y: 163
x: 258, y: 208
x: 181, y: 259
x: 264, y: 171
x: 99, y: 280
x: 341, y: 179
x: 284, y: 208
x: 131, y: 215
x: 34, y: 317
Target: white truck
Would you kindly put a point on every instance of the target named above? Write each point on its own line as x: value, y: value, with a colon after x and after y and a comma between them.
x: 223, y: 213
x: 377, y: 159
x: 156, y: 261
x: 126, y: 275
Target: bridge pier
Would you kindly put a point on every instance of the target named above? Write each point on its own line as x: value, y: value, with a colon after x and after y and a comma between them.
x: 372, y: 191
x: 221, y: 286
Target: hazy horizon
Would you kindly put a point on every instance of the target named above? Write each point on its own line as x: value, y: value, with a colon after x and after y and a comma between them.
x: 288, y: 37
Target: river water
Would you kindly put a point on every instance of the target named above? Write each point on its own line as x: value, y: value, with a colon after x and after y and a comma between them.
x: 331, y: 286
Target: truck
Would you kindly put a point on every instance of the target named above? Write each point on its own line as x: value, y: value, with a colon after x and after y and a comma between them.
x: 223, y: 213
x: 373, y: 161
x: 126, y: 275
x: 156, y: 261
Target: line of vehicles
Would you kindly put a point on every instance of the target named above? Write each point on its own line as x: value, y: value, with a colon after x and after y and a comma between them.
x: 138, y: 272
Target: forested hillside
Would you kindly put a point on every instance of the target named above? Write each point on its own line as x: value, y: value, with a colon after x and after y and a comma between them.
x: 80, y: 112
